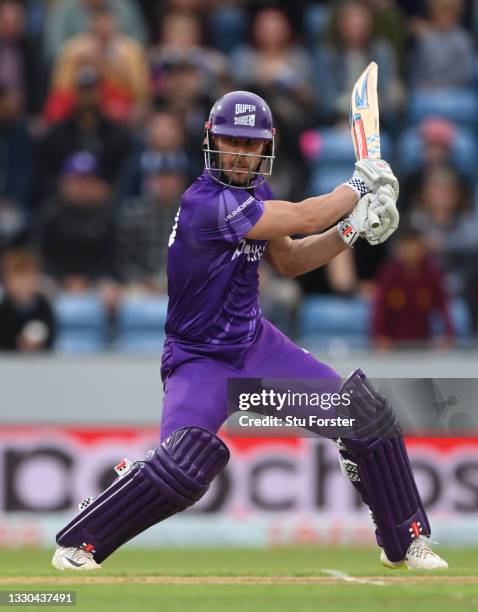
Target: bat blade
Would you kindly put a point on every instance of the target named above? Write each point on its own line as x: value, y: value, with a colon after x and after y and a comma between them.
x: 364, y: 114
x: 364, y: 120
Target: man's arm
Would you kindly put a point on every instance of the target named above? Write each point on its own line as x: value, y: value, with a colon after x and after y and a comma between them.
x: 312, y: 215
x: 295, y: 257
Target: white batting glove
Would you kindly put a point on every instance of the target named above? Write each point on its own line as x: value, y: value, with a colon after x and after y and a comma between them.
x: 362, y: 222
x: 357, y: 223
x: 370, y: 174
x: 382, y: 205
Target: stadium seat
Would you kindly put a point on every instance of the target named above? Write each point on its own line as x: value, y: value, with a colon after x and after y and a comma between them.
x: 325, y: 178
x: 461, y: 319
x: 81, y: 321
x: 335, y: 146
x: 457, y: 105
x: 326, y: 321
x: 333, y: 162
x: 141, y: 323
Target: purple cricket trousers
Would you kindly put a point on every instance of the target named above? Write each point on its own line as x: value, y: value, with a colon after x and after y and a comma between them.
x: 195, y: 380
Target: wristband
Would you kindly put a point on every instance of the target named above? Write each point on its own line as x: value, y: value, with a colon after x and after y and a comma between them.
x: 358, y: 186
x: 347, y: 232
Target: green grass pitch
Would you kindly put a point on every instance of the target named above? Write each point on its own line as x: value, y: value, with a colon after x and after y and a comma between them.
x: 279, y: 580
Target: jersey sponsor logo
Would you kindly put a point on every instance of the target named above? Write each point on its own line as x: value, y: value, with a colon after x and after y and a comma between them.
x: 240, y: 208
x: 252, y: 250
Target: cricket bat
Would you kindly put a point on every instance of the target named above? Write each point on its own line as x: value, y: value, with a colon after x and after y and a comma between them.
x: 364, y: 120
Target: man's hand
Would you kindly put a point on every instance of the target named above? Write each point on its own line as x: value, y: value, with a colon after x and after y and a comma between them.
x: 371, y: 174
x: 384, y: 206
x: 360, y: 223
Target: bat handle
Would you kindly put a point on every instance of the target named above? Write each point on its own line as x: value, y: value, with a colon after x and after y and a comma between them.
x: 373, y: 219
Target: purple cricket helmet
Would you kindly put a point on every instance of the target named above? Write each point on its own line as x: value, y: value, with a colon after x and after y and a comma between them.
x: 240, y: 114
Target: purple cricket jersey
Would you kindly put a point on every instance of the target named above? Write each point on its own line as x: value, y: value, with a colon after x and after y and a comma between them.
x: 212, y: 268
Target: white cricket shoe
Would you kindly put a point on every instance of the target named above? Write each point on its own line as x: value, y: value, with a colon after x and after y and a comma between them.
x: 73, y: 559
x: 419, y: 556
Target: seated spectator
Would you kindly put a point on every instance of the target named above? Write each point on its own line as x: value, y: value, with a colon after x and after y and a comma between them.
x: 339, y: 277
x: 449, y: 226
x: 145, y: 225
x: 279, y: 69
x: 67, y: 18
x: 274, y: 59
x: 26, y: 318
x: 164, y: 145
x: 351, y: 46
x: 191, y: 106
x: 409, y: 290
x: 443, y: 54
x: 437, y: 135
x: 85, y: 128
x: 20, y: 68
x: 78, y: 233
x: 180, y: 43
x: 120, y: 61
x: 15, y: 169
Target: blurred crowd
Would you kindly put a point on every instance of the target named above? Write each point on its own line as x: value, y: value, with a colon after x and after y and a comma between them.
x: 102, y: 107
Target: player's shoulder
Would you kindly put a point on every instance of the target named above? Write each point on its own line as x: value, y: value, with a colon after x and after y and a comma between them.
x: 202, y: 189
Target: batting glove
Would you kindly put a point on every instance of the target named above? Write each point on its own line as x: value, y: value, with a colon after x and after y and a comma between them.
x: 362, y: 222
x: 370, y: 174
x: 356, y: 224
x: 383, y: 205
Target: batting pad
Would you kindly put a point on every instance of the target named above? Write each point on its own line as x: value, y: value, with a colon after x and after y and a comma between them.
x: 385, y: 476
x: 173, y: 477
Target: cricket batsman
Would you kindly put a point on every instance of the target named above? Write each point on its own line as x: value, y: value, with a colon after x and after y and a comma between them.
x: 227, y: 221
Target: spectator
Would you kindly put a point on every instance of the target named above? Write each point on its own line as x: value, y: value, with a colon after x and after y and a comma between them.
x: 20, y: 70
x: 67, y: 18
x: 351, y: 46
x: 437, y: 135
x: 449, y: 226
x: 180, y: 43
x: 274, y: 59
x: 78, y: 231
x: 15, y: 169
x: 26, y: 318
x: 86, y: 128
x: 410, y: 289
x: 145, y: 224
x: 120, y: 61
x: 165, y: 141
x: 390, y: 24
x: 339, y: 276
x: 182, y: 91
x: 279, y: 69
x: 443, y: 54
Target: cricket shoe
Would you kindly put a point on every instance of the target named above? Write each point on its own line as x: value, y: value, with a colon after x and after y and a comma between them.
x: 419, y: 556
x: 74, y: 559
